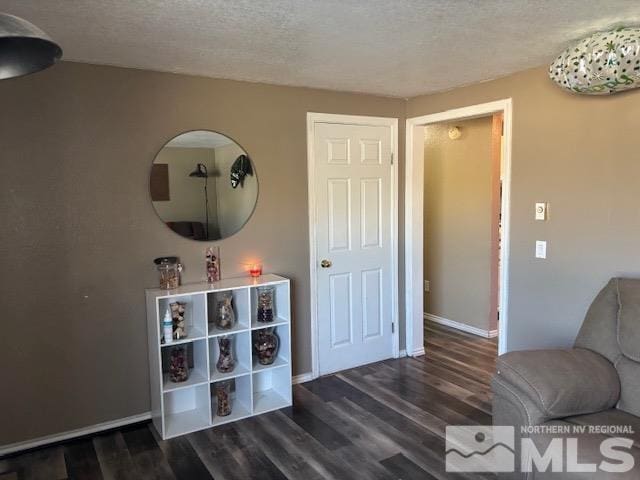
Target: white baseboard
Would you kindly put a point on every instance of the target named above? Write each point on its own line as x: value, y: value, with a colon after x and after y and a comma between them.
x: 68, y: 435
x: 461, y: 326
x: 80, y: 432
x: 418, y: 352
x: 304, y: 377
x: 402, y: 353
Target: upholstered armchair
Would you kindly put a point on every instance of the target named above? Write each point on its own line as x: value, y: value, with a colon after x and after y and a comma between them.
x: 596, y: 384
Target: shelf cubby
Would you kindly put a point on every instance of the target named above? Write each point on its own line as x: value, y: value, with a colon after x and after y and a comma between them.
x: 240, y: 307
x: 282, y: 309
x: 282, y: 357
x: 241, y: 398
x: 184, y: 407
x: 195, y: 316
x: 186, y: 410
x: 271, y: 390
x: 241, y: 347
x: 197, y: 357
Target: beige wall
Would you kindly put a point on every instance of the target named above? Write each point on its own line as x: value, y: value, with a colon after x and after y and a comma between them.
x: 580, y: 154
x: 80, y: 233
x: 234, y: 204
x: 457, y: 225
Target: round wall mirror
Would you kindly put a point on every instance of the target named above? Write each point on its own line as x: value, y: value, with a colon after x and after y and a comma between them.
x: 203, y: 185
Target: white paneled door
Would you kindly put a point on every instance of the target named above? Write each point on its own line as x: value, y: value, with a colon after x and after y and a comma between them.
x: 353, y: 235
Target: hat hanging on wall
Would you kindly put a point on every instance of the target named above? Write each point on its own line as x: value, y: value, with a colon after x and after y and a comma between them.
x: 601, y: 64
x: 240, y: 169
x: 24, y: 48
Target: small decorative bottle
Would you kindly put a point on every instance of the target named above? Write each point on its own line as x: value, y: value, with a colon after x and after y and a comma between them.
x: 223, y: 395
x: 167, y: 327
x: 213, y: 264
x: 266, y: 345
x: 226, y: 363
x: 265, y: 304
x: 178, y: 365
x: 225, y: 317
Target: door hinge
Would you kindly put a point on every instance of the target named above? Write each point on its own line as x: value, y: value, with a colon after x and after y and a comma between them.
x: 393, y: 327
x: 391, y: 158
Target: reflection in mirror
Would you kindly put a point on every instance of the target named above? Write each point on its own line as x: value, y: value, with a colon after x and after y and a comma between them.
x: 203, y: 185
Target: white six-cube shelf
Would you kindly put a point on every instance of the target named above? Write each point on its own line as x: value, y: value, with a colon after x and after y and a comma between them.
x: 180, y: 408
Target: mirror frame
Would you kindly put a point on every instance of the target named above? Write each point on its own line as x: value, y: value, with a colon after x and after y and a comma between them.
x: 255, y: 173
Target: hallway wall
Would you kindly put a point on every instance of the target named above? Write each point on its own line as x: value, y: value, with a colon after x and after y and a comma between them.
x: 457, y: 225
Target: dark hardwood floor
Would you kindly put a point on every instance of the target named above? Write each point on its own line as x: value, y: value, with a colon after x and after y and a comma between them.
x: 380, y: 421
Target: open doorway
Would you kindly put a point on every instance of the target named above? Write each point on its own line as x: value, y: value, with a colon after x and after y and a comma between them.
x: 462, y: 210
x: 498, y: 279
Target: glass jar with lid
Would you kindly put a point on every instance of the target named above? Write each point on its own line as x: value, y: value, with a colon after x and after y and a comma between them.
x: 169, y: 270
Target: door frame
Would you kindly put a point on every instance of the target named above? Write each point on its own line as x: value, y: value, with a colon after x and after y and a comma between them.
x: 312, y: 119
x: 414, y: 220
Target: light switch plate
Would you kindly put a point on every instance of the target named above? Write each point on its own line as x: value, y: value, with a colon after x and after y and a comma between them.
x: 427, y: 286
x: 541, y: 211
x: 541, y: 249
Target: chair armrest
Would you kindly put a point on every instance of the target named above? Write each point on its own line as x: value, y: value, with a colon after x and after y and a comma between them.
x: 560, y: 383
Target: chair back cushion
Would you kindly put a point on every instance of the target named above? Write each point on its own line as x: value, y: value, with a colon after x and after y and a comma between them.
x: 612, y: 329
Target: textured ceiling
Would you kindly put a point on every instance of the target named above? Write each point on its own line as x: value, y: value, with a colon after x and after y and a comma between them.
x: 199, y: 139
x: 389, y: 47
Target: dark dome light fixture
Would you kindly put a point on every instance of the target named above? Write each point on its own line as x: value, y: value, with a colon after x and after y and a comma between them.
x: 24, y: 48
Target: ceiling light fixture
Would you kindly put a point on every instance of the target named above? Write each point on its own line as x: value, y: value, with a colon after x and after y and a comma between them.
x: 24, y: 48
x: 454, y: 133
x: 601, y: 64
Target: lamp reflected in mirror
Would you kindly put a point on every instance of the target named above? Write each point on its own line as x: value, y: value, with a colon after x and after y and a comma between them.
x: 200, y: 171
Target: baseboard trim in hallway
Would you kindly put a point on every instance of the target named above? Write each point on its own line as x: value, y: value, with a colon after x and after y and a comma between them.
x: 461, y: 326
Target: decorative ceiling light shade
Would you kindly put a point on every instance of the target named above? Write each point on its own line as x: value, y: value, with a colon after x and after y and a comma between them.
x: 454, y: 133
x: 24, y: 48
x: 604, y: 63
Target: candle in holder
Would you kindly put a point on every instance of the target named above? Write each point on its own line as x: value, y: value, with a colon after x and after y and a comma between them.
x: 255, y: 270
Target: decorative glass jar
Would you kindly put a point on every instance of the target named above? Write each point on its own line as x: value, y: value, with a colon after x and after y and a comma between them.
x: 265, y: 345
x: 177, y: 316
x: 225, y: 316
x: 265, y: 304
x: 169, y: 270
x: 178, y: 365
x: 223, y: 396
x: 226, y: 363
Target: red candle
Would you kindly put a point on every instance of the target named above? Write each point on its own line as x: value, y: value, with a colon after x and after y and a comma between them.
x: 255, y: 270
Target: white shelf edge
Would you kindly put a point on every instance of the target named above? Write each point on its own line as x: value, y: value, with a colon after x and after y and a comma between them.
x: 278, y: 363
x: 255, y: 325
x: 231, y: 331
x: 184, y: 340
x: 228, y: 376
x: 234, y: 416
x: 260, y: 412
x: 190, y: 383
x: 220, y: 286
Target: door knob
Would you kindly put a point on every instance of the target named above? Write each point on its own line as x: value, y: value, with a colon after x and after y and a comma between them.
x: 325, y: 263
